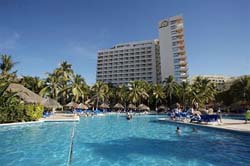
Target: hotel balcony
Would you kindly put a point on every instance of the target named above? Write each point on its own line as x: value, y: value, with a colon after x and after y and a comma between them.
x: 178, y: 35
x: 179, y: 20
x: 182, y: 57
x: 183, y: 63
x: 181, y: 52
x: 178, y: 39
x: 180, y: 42
x: 184, y: 76
x: 180, y: 30
x: 183, y: 69
x: 181, y: 46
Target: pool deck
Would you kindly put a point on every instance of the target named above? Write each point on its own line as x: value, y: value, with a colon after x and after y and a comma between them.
x: 228, y: 124
x: 62, y: 117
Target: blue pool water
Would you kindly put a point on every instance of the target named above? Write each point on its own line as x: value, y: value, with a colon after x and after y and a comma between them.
x: 113, y: 140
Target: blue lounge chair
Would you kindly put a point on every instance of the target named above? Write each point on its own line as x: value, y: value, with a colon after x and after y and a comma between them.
x: 46, y: 114
x: 97, y: 111
x: 209, y: 118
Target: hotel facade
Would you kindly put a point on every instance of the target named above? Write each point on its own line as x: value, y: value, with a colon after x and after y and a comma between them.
x: 152, y: 60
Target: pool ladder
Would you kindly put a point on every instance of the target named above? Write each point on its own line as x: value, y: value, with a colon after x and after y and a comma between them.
x: 69, y: 161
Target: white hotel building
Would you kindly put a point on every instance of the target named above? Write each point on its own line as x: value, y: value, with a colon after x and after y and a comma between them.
x: 152, y: 60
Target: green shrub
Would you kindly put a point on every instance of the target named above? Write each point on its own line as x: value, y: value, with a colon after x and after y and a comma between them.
x: 20, y: 112
x: 248, y: 115
x: 33, y: 112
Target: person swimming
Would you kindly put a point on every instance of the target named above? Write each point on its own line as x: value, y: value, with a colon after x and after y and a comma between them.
x: 129, y: 116
x: 178, y: 130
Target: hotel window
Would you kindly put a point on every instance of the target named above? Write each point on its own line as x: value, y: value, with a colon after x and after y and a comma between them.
x: 174, y: 43
x: 173, y: 27
x: 174, y: 37
x: 173, y: 32
x: 175, y: 49
x: 176, y: 61
x: 173, y: 22
x: 177, y: 66
x: 176, y: 54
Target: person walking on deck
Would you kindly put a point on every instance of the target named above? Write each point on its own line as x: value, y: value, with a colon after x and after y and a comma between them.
x: 247, y: 116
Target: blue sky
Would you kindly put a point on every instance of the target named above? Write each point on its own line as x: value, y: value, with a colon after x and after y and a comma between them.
x: 40, y: 34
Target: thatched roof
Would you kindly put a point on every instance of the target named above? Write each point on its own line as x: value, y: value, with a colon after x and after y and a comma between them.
x: 51, y: 103
x: 143, y: 107
x: 119, y: 106
x: 103, y: 105
x: 82, y: 106
x: 25, y: 94
x: 132, y: 106
x: 72, y: 104
x: 162, y: 107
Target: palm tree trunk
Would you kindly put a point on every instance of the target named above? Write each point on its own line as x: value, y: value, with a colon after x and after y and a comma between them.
x: 97, y: 101
x: 156, y: 102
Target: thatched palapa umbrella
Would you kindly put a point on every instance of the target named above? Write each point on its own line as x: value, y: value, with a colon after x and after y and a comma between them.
x: 162, y: 107
x: 143, y: 107
x: 72, y: 104
x: 132, y: 106
x: 25, y: 94
x: 51, y: 103
x: 103, y: 105
x: 118, y: 106
x: 82, y: 106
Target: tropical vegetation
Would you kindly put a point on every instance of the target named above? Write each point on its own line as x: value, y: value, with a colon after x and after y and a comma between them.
x: 64, y: 85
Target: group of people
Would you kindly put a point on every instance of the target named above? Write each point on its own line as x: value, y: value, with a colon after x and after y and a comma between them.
x: 194, y: 114
x: 177, y: 113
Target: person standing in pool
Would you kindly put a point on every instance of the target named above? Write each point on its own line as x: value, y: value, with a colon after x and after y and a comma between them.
x: 178, y: 130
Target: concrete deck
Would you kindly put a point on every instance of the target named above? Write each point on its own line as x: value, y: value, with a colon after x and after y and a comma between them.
x: 228, y: 124
x: 61, y: 117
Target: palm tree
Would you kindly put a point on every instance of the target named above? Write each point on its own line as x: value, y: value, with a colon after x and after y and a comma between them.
x: 137, y: 91
x: 158, y: 94
x: 100, y: 91
x: 122, y: 94
x: 7, y: 98
x: 79, y: 88
x: 65, y: 70
x: 65, y: 73
x: 184, y: 91
x: 35, y: 84
x: 6, y: 65
x: 52, y: 86
x: 203, y: 91
x: 171, y: 87
x: 240, y: 89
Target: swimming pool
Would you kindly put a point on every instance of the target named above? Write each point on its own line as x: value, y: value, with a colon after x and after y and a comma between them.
x: 113, y: 140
